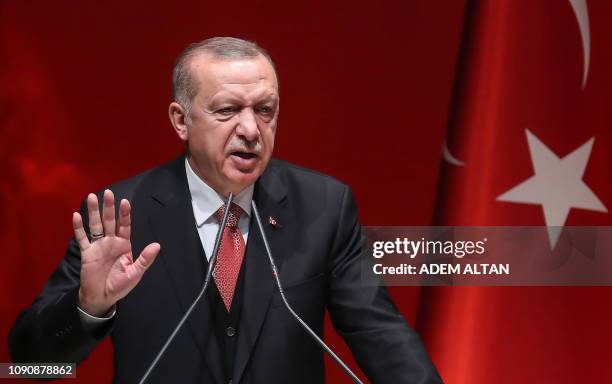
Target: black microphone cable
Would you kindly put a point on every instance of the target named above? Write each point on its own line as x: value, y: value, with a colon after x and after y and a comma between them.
x: 295, y: 315
x: 211, y: 266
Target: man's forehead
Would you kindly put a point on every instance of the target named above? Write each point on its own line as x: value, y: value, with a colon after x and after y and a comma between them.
x: 209, y: 69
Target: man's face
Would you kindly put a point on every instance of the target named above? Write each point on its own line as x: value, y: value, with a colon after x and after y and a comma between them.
x: 233, y: 120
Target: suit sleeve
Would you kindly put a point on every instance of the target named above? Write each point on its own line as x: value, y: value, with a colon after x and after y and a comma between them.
x: 50, y: 330
x: 386, y: 348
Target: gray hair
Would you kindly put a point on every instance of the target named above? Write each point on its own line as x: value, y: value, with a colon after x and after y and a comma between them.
x: 185, y: 88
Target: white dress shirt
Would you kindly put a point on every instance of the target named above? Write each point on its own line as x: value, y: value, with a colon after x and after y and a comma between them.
x: 205, y: 202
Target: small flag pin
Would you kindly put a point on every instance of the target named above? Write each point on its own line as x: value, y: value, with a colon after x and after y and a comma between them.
x: 273, y: 222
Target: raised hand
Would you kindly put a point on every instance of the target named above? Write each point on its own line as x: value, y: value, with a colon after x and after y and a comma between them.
x: 108, y: 270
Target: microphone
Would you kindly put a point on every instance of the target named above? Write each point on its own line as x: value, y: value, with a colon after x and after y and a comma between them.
x: 211, y: 267
x: 295, y: 315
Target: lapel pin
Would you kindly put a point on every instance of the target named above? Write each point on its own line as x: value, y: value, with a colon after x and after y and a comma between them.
x: 273, y: 222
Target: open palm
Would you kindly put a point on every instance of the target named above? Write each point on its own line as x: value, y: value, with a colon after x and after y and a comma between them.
x: 108, y: 269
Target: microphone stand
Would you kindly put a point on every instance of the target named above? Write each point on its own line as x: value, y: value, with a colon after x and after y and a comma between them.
x: 211, y: 266
x: 295, y: 315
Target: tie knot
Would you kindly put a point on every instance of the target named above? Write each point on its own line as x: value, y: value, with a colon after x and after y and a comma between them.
x: 233, y: 217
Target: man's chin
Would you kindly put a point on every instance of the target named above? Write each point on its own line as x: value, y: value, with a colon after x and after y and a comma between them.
x: 240, y: 179
x: 240, y: 174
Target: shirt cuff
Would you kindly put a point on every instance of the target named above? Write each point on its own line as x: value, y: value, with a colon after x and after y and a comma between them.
x: 93, y: 323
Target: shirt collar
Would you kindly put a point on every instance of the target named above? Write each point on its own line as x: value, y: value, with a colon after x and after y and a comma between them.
x: 206, y: 201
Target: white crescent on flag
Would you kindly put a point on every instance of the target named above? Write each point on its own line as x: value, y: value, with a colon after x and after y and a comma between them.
x: 582, y: 17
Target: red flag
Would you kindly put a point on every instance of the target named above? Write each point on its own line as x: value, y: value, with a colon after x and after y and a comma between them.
x: 529, y: 143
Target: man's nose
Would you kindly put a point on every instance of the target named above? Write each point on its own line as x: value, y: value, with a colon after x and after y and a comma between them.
x: 247, y: 125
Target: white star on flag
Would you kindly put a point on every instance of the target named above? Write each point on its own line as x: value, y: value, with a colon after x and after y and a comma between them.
x: 556, y: 185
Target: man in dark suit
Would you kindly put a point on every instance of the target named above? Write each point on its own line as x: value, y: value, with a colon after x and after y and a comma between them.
x: 225, y: 109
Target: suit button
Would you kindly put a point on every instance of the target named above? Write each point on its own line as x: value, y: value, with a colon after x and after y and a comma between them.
x: 230, y: 331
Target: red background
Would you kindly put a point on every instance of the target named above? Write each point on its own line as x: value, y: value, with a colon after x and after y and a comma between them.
x: 365, y: 94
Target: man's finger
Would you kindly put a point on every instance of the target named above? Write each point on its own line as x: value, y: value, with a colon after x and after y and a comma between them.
x: 93, y: 211
x: 144, y: 261
x: 125, y: 219
x: 79, y: 231
x: 108, y: 213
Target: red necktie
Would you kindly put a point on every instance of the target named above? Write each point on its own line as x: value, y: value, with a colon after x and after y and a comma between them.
x: 231, y: 253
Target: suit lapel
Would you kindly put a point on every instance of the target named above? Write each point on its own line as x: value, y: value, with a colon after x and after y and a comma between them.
x: 270, y: 197
x: 183, y: 258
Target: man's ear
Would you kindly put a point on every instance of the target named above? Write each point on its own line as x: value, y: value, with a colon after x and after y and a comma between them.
x: 178, y: 119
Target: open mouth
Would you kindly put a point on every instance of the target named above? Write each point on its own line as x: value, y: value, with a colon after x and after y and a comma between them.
x: 244, y: 155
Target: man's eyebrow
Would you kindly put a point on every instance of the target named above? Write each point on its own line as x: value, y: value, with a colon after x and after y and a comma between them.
x: 273, y: 100
x: 270, y: 96
x: 228, y: 98
x: 231, y: 99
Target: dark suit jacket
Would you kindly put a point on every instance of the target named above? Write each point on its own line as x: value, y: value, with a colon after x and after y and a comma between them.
x: 316, y: 245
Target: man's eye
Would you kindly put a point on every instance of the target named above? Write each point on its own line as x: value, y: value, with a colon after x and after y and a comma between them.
x: 227, y: 111
x: 264, y: 110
